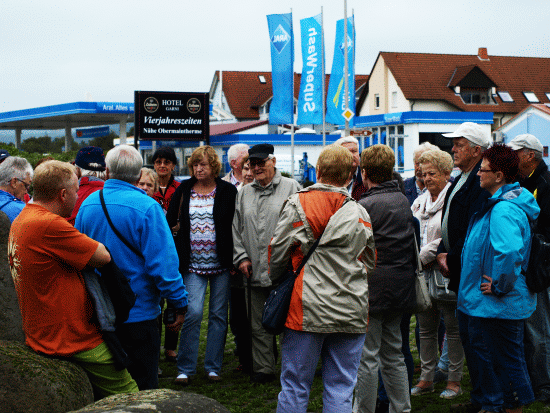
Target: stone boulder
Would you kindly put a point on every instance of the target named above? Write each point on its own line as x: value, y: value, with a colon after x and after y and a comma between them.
x: 158, y: 401
x: 11, y: 327
x: 30, y: 382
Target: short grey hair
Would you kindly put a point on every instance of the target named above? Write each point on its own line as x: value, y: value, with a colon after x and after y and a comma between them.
x: 124, y: 163
x: 236, y: 150
x: 423, y: 147
x: 347, y: 139
x: 14, y: 167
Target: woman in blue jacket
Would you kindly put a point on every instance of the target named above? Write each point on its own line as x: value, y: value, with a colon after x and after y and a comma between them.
x: 492, y: 288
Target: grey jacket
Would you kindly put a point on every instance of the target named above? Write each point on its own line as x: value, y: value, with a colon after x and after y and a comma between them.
x: 331, y: 292
x: 257, y: 211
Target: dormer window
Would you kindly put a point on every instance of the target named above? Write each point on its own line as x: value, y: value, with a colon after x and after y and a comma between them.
x: 531, y: 97
x: 262, y: 78
x: 473, y: 85
x: 547, y: 95
x: 476, y: 96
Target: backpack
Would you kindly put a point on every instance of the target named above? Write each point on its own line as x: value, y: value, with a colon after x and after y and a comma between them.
x: 537, y: 273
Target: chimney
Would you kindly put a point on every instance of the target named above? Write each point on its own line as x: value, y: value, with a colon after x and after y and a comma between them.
x: 482, y: 53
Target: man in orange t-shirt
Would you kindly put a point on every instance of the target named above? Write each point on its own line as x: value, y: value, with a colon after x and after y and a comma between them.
x: 46, y: 255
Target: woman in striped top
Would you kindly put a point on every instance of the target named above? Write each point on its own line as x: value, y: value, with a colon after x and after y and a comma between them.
x: 202, y: 210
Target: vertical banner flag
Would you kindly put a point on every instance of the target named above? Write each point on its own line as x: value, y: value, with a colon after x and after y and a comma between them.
x: 282, y: 68
x: 310, y: 101
x: 336, y: 88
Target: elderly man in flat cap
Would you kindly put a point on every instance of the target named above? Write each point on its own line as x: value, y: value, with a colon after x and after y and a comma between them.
x: 256, y: 215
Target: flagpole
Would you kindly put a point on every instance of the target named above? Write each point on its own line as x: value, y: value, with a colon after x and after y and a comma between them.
x: 346, y: 80
x: 292, y: 126
x: 323, y: 79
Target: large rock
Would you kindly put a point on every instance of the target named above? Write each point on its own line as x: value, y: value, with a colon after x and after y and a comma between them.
x: 33, y: 383
x: 158, y: 401
x: 11, y: 327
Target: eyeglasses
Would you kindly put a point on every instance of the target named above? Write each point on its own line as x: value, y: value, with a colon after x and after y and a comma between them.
x: 258, y: 162
x: 27, y: 186
x: 486, y: 170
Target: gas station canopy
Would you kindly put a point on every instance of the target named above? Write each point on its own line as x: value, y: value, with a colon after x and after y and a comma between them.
x: 67, y: 116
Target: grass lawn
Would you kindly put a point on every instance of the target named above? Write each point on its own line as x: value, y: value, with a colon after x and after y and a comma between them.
x: 238, y: 395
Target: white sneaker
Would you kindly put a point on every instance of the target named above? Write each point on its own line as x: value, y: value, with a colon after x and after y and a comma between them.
x: 182, y: 379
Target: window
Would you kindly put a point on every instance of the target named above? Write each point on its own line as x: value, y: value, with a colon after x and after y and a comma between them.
x: 262, y: 79
x: 377, y: 101
x: 505, y: 97
x: 477, y: 96
x: 548, y: 95
x: 531, y: 97
x: 394, y: 99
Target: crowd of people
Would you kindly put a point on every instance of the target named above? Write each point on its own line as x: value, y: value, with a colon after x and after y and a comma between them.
x: 239, y: 234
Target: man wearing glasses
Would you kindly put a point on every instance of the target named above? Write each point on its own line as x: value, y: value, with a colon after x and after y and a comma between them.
x: 256, y: 215
x: 464, y: 198
x: 15, y: 180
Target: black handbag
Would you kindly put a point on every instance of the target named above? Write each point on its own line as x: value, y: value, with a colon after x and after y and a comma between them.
x: 278, y: 302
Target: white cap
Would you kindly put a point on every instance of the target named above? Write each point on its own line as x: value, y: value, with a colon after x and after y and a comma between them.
x: 471, y: 131
x: 525, y: 141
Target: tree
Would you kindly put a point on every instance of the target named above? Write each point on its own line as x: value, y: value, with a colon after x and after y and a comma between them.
x: 37, y: 145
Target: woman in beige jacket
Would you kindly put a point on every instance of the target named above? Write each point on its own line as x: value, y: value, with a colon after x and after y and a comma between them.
x: 436, y: 168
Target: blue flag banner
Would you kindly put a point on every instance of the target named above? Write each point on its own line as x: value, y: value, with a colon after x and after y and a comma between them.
x: 282, y: 68
x: 336, y: 87
x: 310, y: 101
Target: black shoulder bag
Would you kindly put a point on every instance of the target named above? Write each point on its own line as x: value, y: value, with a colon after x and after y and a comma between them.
x: 278, y: 302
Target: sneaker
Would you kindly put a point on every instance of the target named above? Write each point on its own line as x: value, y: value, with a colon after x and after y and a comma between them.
x: 214, y: 376
x: 422, y: 389
x: 450, y: 393
x: 182, y: 379
x: 417, y: 391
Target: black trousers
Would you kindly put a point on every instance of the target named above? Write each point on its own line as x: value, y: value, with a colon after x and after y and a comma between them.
x: 141, y: 341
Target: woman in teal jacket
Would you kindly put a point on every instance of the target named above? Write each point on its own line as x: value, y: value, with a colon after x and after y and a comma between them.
x: 492, y: 288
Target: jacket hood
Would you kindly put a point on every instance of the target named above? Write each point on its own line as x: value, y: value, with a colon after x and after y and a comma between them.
x: 519, y: 196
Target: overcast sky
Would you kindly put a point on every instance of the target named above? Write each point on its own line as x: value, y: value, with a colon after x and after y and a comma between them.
x: 55, y: 52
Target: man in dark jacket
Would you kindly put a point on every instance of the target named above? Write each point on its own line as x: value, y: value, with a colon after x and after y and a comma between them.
x: 464, y: 198
x: 535, y: 177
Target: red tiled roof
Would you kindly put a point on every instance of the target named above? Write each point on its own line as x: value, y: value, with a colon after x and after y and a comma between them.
x: 245, y: 93
x: 230, y: 128
x: 428, y: 77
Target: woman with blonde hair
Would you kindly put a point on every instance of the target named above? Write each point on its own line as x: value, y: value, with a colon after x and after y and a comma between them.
x: 436, y: 166
x: 201, y: 215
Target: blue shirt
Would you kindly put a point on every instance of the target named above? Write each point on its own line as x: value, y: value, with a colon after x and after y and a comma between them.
x: 10, y: 205
x: 140, y: 219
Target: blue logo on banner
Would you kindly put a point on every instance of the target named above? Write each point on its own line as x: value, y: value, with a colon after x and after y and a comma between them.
x: 280, y: 38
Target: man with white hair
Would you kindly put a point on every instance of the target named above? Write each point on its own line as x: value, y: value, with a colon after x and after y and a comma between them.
x: 235, y: 155
x: 143, y: 249
x: 414, y: 186
x: 535, y: 177
x: 355, y: 187
x: 464, y: 198
x: 15, y: 179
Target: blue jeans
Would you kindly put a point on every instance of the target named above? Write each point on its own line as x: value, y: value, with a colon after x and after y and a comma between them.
x: 537, y: 346
x: 217, y: 323
x: 504, y: 339
x: 340, y: 354
x: 486, y: 390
